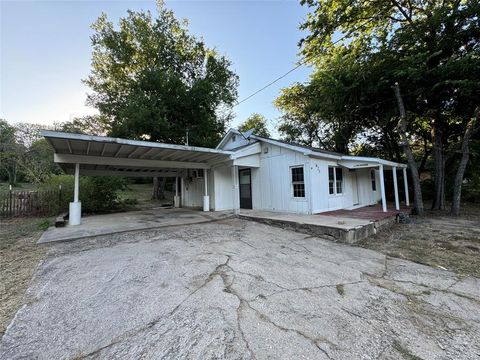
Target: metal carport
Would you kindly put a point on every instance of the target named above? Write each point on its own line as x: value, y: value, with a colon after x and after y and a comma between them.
x: 105, y: 156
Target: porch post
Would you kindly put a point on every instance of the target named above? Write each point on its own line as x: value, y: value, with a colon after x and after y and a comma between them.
x: 382, y: 188
x: 395, y: 186
x: 176, y: 198
x: 235, y: 189
x: 75, y: 207
x: 206, y: 198
x: 405, y: 183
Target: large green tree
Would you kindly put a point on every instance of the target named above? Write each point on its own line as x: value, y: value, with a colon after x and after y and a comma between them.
x: 429, y: 47
x: 154, y: 80
x: 257, y: 123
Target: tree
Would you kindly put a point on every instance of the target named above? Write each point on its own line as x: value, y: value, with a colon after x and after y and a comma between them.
x: 9, y: 150
x: 36, y: 162
x: 430, y: 47
x: 153, y: 80
x: 258, y: 123
x: 89, y: 125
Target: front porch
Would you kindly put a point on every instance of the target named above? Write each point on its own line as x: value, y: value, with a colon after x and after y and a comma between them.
x: 371, y: 213
x: 347, y: 226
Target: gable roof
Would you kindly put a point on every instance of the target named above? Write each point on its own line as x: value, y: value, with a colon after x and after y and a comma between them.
x: 320, y: 153
x: 227, y: 137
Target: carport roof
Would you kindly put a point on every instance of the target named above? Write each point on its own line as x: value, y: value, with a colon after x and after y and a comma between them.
x: 100, y: 155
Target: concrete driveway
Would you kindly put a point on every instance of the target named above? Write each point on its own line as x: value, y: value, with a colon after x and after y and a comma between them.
x: 234, y: 289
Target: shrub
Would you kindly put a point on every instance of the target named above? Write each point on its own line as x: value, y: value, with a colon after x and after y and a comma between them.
x: 97, y: 194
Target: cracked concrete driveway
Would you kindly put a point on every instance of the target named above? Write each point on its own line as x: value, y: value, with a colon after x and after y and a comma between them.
x: 235, y: 289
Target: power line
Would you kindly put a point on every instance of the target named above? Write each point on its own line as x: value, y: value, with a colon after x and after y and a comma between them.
x: 285, y: 74
x: 270, y: 83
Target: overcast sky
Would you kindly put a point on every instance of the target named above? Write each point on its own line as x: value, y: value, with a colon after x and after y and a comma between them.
x: 45, y: 51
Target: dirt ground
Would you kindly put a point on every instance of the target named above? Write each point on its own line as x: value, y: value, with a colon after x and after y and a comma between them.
x: 19, y: 257
x: 436, y: 239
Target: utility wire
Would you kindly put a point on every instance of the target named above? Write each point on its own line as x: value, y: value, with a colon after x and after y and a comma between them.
x: 301, y: 63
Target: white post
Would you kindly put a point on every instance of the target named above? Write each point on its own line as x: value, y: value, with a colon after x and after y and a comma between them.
x: 75, y: 207
x: 395, y: 187
x: 236, y: 190
x: 382, y: 189
x: 77, y: 182
x: 405, y: 183
x: 176, y: 198
x: 183, y: 191
x: 206, y: 199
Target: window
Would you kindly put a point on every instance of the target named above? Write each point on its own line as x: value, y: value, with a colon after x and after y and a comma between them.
x: 331, y: 180
x: 298, y: 182
x: 234, y: 138
x: 374, y: 180
x: 335, y: 180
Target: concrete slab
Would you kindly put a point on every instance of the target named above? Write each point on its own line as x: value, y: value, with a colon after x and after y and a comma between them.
x: 343, y: 229
x: 236, y: 289
x: 98, y: 225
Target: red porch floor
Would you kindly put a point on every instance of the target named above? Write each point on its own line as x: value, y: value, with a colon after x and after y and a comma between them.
x: 372, y: 213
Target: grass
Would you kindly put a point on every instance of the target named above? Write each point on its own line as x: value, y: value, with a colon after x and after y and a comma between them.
x: 436, y: 239
x: 19, y: 257
x: 4, y: 186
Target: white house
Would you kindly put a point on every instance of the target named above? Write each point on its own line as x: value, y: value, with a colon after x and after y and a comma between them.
x: 245, y: 171
x: 278, y: 176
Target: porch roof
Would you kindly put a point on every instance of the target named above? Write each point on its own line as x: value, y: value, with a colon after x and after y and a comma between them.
x: 100, y: 155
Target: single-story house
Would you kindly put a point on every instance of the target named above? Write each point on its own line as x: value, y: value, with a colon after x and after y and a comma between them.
x: 244, y: 171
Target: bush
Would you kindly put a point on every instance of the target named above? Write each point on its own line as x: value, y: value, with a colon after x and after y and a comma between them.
x: 97, y: 194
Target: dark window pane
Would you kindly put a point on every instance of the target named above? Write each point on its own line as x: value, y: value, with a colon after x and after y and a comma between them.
x: 297, y: 174
x: 298, y: 190
x: 374, y: 181
x: 339, y: 187
x: 330, y: 173
x: 330, y: 187
x: 339, y: 174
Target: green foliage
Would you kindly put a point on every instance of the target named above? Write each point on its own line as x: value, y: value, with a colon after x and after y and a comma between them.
x: 97, y: 194
x: 9, y: 151
x: 153, y: 80
x: 258, y: 123
x: 37, y: 163
x: 44, y: 224
x: 429, y: 47
x: 89, y: 125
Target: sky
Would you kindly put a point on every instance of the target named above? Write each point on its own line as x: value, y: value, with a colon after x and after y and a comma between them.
x: 45, y: 51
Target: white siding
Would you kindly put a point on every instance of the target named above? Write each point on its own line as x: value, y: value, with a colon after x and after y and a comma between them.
x: 232, y: 144
x: 323, y: 201
x: 223, y: 188
x: 272, y: 188
x: 194, y: 190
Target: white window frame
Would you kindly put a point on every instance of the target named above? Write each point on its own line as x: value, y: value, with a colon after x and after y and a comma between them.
x: 373, y: 179
x: 335, y: 193
x: 297, y: 183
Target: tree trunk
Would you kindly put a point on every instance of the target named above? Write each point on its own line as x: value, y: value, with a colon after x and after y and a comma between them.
x: 158, y: 192
x: 402, y: 128
x: 457, y: 187
x: 439, y: 179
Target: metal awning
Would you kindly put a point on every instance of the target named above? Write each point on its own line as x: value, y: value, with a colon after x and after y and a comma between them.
x: 100, y: 155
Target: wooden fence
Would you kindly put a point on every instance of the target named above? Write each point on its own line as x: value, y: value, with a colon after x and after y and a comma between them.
x: 30, y: 203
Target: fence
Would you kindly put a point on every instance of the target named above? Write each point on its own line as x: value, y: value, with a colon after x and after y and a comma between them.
x: 30, y: 203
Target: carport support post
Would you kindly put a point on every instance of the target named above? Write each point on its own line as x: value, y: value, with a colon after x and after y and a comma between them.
x: 75, y: 208
x: 206, y: 198
x: 395, y: 187
x: 382, y: 188
x: 176, y: 198
x: 405, y: 183
x: 236, y: 190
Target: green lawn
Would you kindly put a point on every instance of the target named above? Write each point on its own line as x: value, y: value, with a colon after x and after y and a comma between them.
x: 4, y: 186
